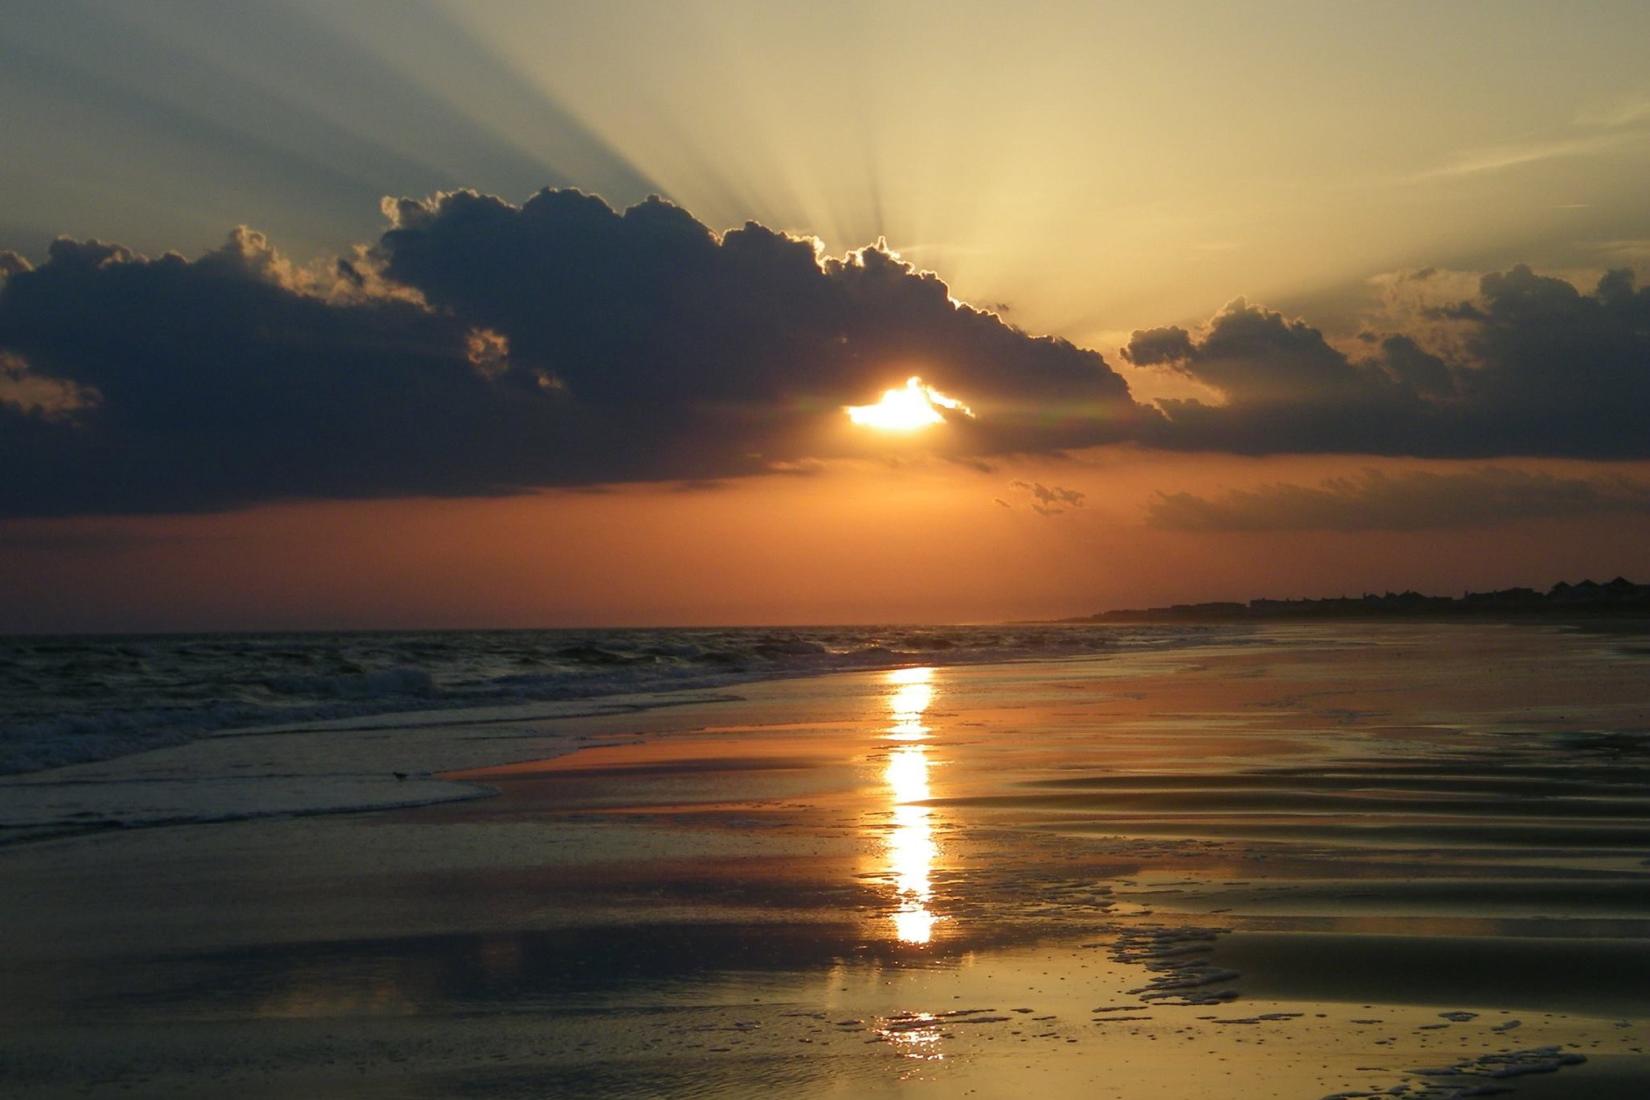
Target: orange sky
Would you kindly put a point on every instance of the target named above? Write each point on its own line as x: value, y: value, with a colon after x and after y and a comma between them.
x: 923, y: 542
x: 1099, y: 170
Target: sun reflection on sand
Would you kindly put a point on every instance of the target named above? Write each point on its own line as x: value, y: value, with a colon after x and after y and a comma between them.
x: 911, y: 847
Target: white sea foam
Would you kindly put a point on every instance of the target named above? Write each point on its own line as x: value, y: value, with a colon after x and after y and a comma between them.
x: 67, y: 700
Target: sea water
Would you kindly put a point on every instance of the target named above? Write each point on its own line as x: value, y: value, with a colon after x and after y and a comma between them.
x: 72, y: 699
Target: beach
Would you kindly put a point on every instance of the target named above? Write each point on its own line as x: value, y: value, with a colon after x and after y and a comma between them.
x: 1333, y: 859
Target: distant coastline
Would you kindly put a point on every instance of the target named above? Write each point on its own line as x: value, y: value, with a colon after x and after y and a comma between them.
x: 1563, y: 600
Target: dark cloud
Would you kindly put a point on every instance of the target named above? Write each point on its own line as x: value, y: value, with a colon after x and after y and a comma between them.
x: 1409, y: 501
x: 651, y: 320
x: 1414, y: 369
x: 1049, y: 500
x: 1543, y: 369
x: 213, y: 382
x: 1558, y: 371
x: 1159, y: 346
x: 483, y: 347
x: 1285, y: 387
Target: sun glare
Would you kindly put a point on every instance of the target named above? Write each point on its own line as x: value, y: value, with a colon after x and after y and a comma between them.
x: 912, y: 849
x: 916, y: 405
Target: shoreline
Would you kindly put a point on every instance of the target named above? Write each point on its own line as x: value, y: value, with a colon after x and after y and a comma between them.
x: 401, y: 676
x: 910, y: 883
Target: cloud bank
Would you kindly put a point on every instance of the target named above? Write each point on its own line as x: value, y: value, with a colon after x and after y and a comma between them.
x: 480, y: 347
x: 1411, y: 501
x: 1543, y: 370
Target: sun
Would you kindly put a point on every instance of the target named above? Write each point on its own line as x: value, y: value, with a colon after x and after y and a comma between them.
x: 914, y: 406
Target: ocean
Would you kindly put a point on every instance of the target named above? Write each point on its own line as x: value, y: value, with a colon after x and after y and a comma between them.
x: 74, y: 699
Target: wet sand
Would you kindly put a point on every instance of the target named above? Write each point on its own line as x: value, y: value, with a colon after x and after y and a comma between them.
x: 1330, y: 860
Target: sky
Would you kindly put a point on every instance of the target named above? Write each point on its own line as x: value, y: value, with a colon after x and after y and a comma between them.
x: 368, y: 314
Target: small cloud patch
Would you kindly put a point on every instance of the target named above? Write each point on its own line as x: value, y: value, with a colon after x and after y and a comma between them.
x: 1414, y: 500
x: 1049, y: 500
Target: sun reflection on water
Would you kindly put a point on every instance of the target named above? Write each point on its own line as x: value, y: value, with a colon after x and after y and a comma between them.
x: 912, y: 850
x: 914, y: 1035
x: 913, y: 691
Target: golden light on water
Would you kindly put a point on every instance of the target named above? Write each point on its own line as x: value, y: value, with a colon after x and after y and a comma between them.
x: 912, y: 850
x: 909, y: 408
x: 911, y: 697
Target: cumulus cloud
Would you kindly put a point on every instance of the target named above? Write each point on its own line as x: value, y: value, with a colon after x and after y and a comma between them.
x: 1557, y: 371
x: 218, y: 383
x: 1536, y: 367
x: 650, y: 319
x: 1410, y: 501
x: 483, y: 347
x: 1285, y: 387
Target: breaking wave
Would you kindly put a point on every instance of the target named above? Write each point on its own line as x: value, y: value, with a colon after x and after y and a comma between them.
x: 67, y: 700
